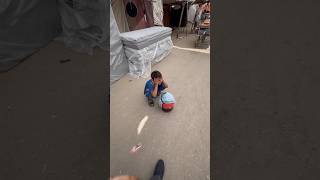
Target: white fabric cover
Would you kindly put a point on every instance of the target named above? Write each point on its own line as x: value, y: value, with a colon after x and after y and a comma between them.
x: 144, y: 37
x: 157, y: 12
x: 118, y: 61
x: 192, y: 12
x: 140, y: 61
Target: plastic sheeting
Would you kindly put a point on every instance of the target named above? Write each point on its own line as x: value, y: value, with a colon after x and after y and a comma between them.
x: 141, y: 60
x: 145, y: 37
x: 84, y: 24
x: 25, y: 26
x: 157, y: 12
x: 118, y: 62
x: 192, y: 12
x: 154, y: 12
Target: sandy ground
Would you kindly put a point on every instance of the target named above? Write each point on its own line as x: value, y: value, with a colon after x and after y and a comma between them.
x: 182, y: 137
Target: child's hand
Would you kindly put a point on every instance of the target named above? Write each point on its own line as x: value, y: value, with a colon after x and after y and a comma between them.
x: 158, y: 81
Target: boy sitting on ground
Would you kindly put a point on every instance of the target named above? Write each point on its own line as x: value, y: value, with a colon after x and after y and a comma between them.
x: 154, y: 86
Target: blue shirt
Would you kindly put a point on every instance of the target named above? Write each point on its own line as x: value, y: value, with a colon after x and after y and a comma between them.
x: 149, y: 88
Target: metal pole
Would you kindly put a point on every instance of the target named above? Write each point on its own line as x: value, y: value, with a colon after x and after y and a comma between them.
x: 187, y: 19
x: 183, y: 5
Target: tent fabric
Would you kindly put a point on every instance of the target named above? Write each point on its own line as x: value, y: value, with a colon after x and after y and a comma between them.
x: 154, y: 12
x: 144, y: 37
x: 141, y: 60
x: 149, y: 11
x: 118, y: 62
x: 192, y: 12
x: 135, y: 13
x: 25, y: 27
x: 157, y: 12
x: 84, y: 24
x: 120, y: 15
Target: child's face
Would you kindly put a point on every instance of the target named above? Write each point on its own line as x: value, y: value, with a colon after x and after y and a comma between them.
x: 158, y: 80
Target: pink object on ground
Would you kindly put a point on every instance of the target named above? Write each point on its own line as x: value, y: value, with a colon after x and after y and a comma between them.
x: 135, y: 148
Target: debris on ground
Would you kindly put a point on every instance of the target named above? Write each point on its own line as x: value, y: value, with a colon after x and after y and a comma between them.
x: 135, y: 148
x: 141, y: 124
x: 65, y: 60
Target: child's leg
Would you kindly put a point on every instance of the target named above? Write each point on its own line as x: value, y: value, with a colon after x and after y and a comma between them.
x: 150, y: 101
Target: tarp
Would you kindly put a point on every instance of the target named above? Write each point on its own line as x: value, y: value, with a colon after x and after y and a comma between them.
x: 145, y: 47
x: 118, y: 62
x: 145, y: 37
x: 154, y: 12
x: 84, y: 24
x: 192, y: 12
x: 120, y: 15
x: 141, y: 60
x: 25, y: 26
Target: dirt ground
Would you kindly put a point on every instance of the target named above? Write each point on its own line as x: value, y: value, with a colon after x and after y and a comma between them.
x: 182, y: 137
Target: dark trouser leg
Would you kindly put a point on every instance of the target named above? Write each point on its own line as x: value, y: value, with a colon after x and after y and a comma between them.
x: 150, y: 101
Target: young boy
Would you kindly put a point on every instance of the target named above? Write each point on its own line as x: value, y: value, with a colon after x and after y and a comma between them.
x: 154, y: 86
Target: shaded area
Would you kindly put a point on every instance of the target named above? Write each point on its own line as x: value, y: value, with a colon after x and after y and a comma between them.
x: 53, y: 116
x: 266, y: 89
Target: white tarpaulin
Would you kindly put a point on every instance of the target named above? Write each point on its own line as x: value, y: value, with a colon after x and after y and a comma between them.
x: 118, y: 62
x: 154, y: 12
x: 192, y: 12
x: 145, y: 47
x: 141, y: 60
x: 145, y: 37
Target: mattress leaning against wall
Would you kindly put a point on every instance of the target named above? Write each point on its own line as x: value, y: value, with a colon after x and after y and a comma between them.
x: 25, y: 26
x: 118, y: 61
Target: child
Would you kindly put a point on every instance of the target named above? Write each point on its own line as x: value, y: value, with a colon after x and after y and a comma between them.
x: 154, y: 86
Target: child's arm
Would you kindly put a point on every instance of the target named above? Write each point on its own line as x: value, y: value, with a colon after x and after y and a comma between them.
x: 155, y: 90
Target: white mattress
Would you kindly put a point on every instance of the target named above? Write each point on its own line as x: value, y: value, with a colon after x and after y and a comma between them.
x: 142, y: 38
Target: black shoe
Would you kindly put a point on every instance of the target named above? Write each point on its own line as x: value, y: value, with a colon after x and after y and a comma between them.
x: 159, y: 169
x: 150, y: 102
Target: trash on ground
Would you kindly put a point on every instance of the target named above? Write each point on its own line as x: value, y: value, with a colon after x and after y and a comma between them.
x: 135, y: 148
x: 64, y: 60
x: 142, y: 123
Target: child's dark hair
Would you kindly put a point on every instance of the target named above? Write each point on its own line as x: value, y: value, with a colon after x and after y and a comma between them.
x: 156, y: 74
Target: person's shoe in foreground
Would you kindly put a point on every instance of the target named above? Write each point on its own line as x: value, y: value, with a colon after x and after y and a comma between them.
x: 159, y: 169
